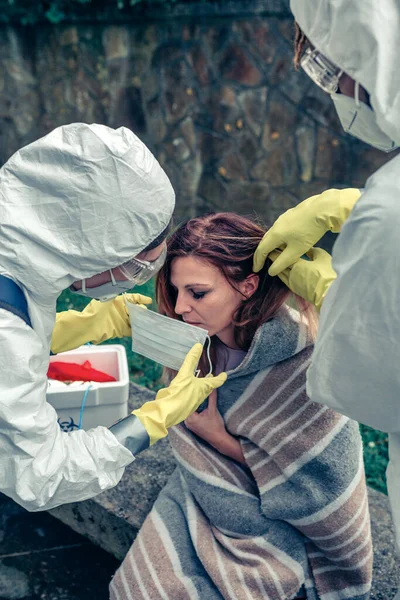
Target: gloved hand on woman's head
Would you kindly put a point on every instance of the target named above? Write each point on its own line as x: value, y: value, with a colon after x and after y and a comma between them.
x: 301, y: 227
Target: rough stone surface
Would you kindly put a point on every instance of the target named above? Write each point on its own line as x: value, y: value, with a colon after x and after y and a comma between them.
x: 217, y: 100
x: 14, y: 585
x: 43, y: 559
x: 386, y: 564
x: 113, y: 519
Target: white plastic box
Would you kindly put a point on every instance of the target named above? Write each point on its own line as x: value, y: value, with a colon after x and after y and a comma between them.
x: 106, y: 402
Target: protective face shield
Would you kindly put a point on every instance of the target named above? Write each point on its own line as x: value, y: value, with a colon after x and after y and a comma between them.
x: 137, y: 272
x: 164, y: 340
x: 356, y: 117
x: 140, y: 271
x: 321, y: 70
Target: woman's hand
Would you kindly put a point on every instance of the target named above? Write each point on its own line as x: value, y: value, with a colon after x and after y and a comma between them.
x: 210, y: 426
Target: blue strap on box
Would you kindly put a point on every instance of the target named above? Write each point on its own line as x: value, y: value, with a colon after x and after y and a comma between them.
x: 12, y: 299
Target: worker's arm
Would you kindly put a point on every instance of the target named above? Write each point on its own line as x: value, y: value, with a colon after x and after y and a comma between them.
x: 42, y: 466
x: 355, y: 363
x: 98, y: 322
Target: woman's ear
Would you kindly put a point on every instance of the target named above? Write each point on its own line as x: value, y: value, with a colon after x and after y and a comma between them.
x: 250, y: 285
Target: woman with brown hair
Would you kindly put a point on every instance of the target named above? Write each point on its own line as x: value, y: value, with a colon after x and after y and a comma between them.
x: 268, y: 499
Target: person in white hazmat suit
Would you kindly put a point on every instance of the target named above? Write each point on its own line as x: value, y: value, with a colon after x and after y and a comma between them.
x: 76, y: 206
x: 353, y: 55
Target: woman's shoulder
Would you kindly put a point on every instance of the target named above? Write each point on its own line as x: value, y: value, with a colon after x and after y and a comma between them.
x: 286, y: 335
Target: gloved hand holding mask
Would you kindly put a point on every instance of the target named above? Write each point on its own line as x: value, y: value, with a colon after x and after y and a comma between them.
x: 162, y: 339
x: 300, y: 228
x: 99, y: 321
x: 180, y: 399
x: 172, y: 405
x: 170, y: 343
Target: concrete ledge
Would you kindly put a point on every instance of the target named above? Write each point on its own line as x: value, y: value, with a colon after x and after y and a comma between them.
x: 112, y: 519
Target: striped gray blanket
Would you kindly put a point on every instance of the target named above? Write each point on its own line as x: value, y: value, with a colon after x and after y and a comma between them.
x: 296, y: 515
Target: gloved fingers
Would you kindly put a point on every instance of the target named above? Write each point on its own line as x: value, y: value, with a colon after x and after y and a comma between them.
x: 350, y: 194
x: 274, y: 255
x: 286, y: 259
x: 319, y: 254
x: 205, y: 386
x: 191, y: 360
x: 212, y: 383
x: 313, y: 198
x: 269, y: 242
x: 138, y: 299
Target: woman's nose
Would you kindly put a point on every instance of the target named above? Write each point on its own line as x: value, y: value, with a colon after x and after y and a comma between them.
x: 182, y: 306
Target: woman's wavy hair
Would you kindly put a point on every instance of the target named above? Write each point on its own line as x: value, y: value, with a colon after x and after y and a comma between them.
x: 228, y: 241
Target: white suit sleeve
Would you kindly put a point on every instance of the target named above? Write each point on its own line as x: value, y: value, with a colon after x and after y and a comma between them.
x: 41, y: 466
x: 356, y: 364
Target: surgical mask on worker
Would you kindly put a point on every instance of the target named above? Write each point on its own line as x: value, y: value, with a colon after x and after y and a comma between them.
x: 106, y: 291
x: 358, y: 119
x: 166, y: 341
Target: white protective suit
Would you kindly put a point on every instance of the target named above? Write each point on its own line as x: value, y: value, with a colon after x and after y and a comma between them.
x: 355, y: 367
x: 81, y: 200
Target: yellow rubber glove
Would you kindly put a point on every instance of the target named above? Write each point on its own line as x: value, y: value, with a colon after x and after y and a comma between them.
x: 180, y: 399
x: 99, y: 321
x: 309, y: 279
x: 301, y: 227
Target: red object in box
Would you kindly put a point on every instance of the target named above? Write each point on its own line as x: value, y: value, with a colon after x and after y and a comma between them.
x: 63, y: 371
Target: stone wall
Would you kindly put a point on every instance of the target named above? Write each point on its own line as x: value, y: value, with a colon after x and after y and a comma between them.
x: 216, y: 98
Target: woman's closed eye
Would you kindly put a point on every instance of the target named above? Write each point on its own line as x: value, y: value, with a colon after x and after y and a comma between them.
x: 198, y: 295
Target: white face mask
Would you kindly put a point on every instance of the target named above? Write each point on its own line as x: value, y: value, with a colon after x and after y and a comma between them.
x: 359, y: 120
x: 106, y: 291
x: 164, y: 340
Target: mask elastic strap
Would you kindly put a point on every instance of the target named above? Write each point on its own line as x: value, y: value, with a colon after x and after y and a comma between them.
x: 112, y: 277
x: 209, y: 374
x: 357, y: 94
